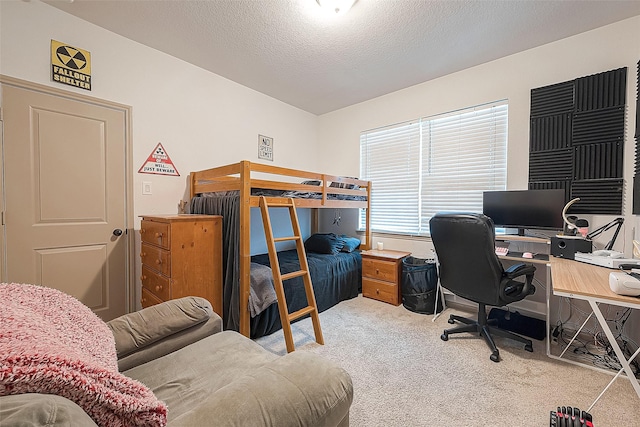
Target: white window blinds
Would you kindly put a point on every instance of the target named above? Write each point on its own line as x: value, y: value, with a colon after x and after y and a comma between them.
x: 440, y: 163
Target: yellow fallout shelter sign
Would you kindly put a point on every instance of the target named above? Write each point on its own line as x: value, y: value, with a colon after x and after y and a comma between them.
x: 70, y: 65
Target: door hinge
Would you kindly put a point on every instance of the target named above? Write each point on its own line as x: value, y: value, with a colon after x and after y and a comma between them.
x: 2, y: 215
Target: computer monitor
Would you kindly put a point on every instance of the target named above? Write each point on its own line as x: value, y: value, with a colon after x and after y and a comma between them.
x: 525, y: 209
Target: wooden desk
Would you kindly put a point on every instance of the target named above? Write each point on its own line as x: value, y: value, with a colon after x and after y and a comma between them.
x: 577, y: 279
x: 590, y: 283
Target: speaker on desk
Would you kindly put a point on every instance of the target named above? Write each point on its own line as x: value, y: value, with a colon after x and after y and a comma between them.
x: 566, y: 247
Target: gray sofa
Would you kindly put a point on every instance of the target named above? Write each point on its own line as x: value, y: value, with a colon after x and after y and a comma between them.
x: 205, y: 376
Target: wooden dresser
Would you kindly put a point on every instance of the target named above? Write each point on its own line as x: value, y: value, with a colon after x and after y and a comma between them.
x: 382, y: 275
x: 181, y: 256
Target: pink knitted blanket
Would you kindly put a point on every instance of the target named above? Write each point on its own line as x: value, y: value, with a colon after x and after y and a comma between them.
x: 51, y: 343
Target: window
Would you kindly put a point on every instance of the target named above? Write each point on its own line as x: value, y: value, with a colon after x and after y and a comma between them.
x: 440, y: 163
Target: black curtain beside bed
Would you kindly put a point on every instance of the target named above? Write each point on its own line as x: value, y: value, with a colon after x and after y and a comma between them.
x: 228, y: 206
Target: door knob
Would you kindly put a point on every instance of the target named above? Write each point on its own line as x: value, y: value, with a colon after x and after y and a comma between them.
x: 117, y: 232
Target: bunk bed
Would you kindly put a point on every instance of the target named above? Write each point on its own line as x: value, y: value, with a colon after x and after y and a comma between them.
x: 232, y: 190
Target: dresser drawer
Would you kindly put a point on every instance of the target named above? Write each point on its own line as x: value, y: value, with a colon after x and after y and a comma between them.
x: 382, y: 291
x: 156, y: 283
x: 156, y: 258
x: 148, y: 299
x: 156, y: 233
x: 378, y: 269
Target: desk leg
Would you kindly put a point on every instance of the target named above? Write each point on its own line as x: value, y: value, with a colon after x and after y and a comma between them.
x: 611, y: 382
x: 616, y: 348
x: 548, y: 314
x: 439, y: 295
x: 575, y: 336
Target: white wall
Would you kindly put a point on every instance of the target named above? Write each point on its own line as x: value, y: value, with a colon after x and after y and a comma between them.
x: 204, y: 120
x: 201, y: 119
x: 511, y: 78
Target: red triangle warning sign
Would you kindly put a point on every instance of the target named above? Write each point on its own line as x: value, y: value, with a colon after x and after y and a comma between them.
x: 159, y: 163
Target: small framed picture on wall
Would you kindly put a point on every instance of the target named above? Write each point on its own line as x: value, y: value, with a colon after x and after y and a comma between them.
x: 265, y: 147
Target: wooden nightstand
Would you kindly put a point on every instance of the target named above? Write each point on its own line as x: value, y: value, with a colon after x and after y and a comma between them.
x: 181, y: 256
x: 382, y: 275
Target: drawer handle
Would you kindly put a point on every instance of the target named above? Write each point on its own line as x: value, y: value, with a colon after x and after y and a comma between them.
x: 158, y: 235
x: 158, y: 288
x: 377, y: 271
x: 143, y: 300
x: 158, y: 261
x: 377, y: 291
x: 143, y: 277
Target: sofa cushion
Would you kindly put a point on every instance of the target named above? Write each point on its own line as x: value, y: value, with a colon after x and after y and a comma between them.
x: 183, y: 377
x: 51, y: 343
x: 299, y: 389
x: 245, y: 383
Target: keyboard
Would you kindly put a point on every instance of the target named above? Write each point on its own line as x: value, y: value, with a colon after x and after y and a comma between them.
x: 500, y: 251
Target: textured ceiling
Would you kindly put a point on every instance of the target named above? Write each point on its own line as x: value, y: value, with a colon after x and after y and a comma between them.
x: 288, y: 50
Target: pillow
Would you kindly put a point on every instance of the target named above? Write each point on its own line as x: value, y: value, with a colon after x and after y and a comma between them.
x: 51, y: 343
x: 350, y: 243
x: 337, y: 184
x: 324, y: 243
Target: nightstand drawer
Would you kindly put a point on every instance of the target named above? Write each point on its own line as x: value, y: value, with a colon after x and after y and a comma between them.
x: 155, y: 233
x: 156, y: 258
x: 378, y: 269
x: 381, y: 291
x: 148, y: 299
x: 156, y: 283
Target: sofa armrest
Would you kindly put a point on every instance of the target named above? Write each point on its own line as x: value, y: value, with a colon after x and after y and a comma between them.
x: 41, y: 410
x: 161, y: 329
x: 299, y: 389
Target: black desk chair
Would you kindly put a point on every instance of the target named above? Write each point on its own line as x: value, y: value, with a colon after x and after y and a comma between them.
x: 470, y: 268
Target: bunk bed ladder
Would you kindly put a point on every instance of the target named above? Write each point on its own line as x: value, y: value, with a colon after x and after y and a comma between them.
x: 278, y: 278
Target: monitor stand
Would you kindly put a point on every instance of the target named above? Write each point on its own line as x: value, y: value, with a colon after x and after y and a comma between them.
x: 520, y: 232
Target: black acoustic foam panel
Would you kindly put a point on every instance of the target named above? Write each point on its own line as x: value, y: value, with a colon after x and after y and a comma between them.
x: 636, y: 176
x: 577, y: 140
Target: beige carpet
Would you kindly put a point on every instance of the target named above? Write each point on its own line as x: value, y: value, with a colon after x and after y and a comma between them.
x: 405, y: 375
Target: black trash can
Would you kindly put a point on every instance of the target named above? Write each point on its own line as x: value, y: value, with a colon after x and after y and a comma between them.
x: 419, y: 283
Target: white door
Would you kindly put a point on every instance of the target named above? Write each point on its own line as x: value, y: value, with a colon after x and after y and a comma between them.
x: 65, y: 187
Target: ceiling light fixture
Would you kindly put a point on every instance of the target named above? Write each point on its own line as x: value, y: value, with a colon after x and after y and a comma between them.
x: 337, y: 7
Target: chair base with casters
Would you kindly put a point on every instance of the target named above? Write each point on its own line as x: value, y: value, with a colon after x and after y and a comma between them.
x: 485, y: 328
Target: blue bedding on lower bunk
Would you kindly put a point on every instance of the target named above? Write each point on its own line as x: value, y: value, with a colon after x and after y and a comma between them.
x: 335, y: 278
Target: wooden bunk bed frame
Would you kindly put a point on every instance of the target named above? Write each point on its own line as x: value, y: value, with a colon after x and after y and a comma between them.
x: 243, y: 176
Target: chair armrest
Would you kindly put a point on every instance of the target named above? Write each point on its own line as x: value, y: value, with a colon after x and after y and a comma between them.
x: 161, y: 329
x: 299, y: 389
x: 508, y: 286
x: 520, y: 269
